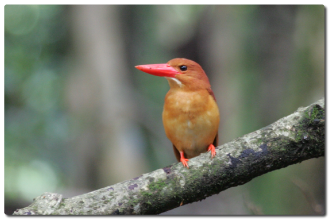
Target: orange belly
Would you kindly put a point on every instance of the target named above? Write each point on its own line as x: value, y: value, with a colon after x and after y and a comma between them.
x: 191, y: 120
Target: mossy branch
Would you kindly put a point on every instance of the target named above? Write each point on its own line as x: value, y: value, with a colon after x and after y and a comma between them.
x: 292, y: 139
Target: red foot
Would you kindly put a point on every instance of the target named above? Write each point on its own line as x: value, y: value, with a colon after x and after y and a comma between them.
x: 183, y: 160
x: 212, y: 149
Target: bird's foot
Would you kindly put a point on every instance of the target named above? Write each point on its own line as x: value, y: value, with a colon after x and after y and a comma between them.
x: 183, y: 160
x: 212, y: 149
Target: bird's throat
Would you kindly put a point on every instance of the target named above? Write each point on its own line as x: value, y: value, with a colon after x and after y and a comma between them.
x: 174, y: 82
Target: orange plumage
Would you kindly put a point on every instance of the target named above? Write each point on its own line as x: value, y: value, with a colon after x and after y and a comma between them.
x: 190, y: 115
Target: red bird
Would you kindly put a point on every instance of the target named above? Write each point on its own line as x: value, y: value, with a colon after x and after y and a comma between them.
x: 190, y: 115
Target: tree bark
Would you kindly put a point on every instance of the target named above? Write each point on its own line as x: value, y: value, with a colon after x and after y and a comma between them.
x: 292, y: 139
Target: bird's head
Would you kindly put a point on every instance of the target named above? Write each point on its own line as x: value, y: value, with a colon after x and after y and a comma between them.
x: 180, y: 73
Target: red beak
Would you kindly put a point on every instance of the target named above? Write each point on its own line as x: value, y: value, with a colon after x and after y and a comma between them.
x: 161, y: 70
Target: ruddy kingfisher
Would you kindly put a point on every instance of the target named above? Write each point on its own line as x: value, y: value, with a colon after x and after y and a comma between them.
x: 190, y: 115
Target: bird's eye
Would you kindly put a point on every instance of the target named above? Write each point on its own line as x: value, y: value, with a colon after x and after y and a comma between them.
x: 183, y: 68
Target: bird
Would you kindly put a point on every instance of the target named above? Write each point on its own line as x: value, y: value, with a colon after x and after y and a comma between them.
x: 190, y: 114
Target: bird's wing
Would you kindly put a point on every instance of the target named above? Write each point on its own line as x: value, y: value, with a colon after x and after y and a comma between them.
x: 211, y: 93
x: 216, y: 140
x: 176, y: 153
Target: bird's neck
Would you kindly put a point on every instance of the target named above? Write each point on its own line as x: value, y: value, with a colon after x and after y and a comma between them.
x: 175, y: 83
x: 183, y: 85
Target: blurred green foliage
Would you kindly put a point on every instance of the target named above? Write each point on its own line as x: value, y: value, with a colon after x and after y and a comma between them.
x: 36, y: 128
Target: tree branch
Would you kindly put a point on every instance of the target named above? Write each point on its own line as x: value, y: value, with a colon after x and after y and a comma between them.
x: 292, y: 139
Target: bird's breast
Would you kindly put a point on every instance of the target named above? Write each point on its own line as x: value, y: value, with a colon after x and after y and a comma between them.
x: 190, y: 120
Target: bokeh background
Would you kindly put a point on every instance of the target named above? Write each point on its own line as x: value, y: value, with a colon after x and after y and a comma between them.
x: 79, y: 116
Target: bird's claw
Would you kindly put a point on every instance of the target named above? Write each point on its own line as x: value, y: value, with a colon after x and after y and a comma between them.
x: 183, y: 160
x: 212, y: 149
